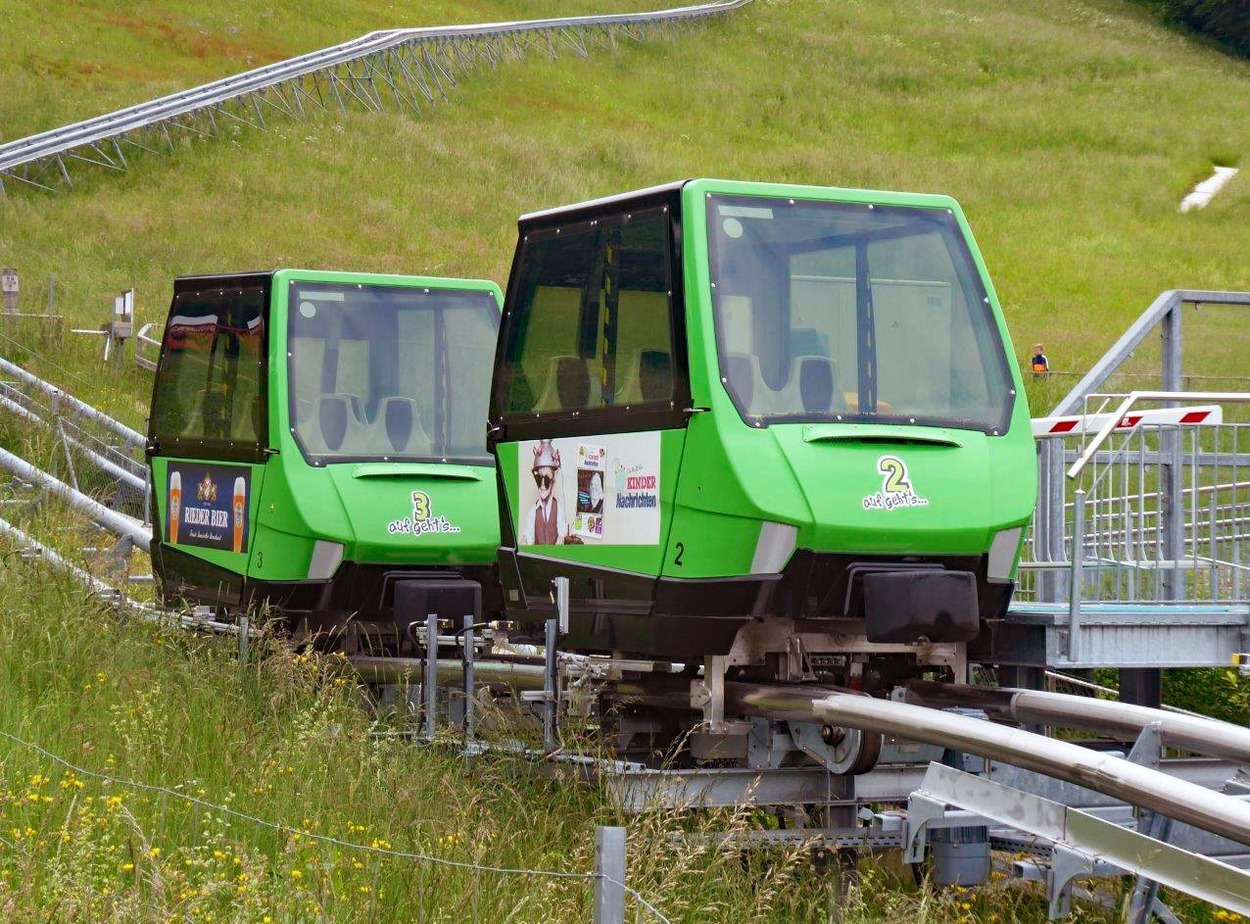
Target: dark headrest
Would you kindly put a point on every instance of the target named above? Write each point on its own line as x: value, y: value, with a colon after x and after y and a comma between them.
x: 398, y: 423
x: 816, y: 384
x: 333, y: 420
x: 572, y: 382
x: 655, y: 375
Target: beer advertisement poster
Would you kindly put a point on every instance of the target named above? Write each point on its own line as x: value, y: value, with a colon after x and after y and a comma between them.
x: 207, y: 506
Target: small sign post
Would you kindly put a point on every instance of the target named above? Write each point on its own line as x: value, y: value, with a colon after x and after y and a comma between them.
x: 9, y: 285
x: 122, y: 326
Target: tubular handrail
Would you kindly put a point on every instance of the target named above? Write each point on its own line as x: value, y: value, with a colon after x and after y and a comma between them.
x: 1114, y: 776
x: 131, y: 437
x: 1115, y: 420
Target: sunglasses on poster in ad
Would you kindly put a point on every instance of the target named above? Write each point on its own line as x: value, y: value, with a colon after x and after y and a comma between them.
x: 543, y: 481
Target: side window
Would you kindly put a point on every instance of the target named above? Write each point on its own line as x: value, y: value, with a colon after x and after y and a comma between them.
x: 209, y: 392
x: 593, y: 329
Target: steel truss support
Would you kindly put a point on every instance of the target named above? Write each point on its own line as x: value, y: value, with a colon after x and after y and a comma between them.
x: 1083, y: 845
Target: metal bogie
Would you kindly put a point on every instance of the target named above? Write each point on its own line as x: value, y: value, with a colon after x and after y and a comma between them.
x: 835, y: 651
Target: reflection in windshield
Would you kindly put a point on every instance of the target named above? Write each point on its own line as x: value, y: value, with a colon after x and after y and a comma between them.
x: 838, y: 311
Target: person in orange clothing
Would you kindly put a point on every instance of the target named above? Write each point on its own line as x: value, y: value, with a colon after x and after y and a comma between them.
x: 1041, y: 365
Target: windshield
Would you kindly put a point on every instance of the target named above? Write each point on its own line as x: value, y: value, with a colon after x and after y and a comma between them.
x: 390, y: 372
x: 846, y: 311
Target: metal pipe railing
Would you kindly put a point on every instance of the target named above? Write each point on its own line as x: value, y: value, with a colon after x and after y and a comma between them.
x: 1114, y: 776
x: 89, y: 133
x: 116, y: 522
x: 1179, y: 729
x: 105, y: 464
x: 81, y: 408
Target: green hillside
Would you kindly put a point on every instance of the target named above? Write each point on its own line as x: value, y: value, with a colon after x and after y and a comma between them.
x: 1068, y: 130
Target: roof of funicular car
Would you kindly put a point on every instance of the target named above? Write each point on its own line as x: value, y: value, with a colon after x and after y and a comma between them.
x: 696, y: 187
x: 227, y: 280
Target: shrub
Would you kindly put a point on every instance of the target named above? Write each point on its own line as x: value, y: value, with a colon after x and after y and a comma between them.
x: 1226, y: 21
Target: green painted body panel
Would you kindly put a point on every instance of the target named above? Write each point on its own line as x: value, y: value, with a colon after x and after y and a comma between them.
x: 820, y: 478
x: 354, y: 502
x: 366, y: 506
x: 816, y: 476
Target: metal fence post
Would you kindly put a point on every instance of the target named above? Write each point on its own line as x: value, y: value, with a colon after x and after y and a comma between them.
x: 1078, y: 563
x: 468, y: 683
x: 245, y: 628
x: 431, y: 671
x: 609, y: 875
x: 551, y: 685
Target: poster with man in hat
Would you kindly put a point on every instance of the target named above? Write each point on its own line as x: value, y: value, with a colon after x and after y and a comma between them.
x: 544, y: 522
x: 599, y: 490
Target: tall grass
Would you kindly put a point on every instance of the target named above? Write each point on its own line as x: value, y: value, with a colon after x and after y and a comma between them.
x: 146, y: 777
x: 1069, y: 129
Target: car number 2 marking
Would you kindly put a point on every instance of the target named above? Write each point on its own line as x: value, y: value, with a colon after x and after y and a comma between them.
x: 897, y: 490
x: 895, y: 472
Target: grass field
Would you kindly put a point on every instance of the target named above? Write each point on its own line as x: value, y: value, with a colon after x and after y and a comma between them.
x: 1068, y: 129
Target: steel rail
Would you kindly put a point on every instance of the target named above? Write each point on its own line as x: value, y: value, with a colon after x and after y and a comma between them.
x: 93, y: 583
x: 108, y: 591
x: 90, y: 133
x: 1183, y: 730
x: 106, y: 465
x: 118, y: 523
x: 133, y: 437
x: 519, y: 674
x: 1109, y: 774
x: 1115, y: 776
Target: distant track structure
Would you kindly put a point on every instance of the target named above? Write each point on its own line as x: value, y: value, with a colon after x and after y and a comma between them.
x: 410, y: 69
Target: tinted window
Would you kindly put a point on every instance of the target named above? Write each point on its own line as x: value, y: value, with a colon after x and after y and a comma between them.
x: 591, y: 326
x: 846, y: 311
x: 209, y: 399
x: 387, y: 372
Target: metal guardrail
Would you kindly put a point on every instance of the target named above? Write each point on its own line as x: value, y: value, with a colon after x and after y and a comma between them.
x: 412, y: 68
x: 1164, y: 517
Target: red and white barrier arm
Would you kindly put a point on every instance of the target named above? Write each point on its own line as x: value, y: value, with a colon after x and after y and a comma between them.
x: 1203, y: 415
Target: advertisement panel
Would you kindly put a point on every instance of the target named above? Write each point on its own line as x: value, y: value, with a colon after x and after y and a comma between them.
x: 595, y: 489
x: 207, y: 506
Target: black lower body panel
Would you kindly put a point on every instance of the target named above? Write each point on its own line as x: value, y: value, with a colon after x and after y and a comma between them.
x: 362, y: 592
x: 642, y: 615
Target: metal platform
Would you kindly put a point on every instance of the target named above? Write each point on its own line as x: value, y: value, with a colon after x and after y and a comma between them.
x: 1123, y: 635
x: 1139, y: 552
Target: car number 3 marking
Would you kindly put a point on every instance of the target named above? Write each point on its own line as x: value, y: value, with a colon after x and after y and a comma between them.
x: 894, y: 471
